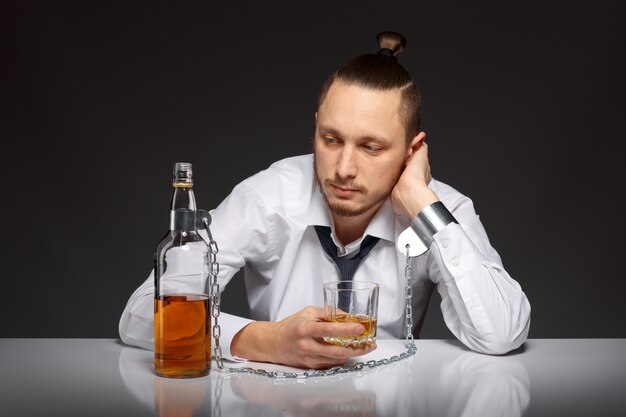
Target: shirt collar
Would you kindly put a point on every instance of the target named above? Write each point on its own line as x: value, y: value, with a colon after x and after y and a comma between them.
x: 319, y: 214
x: 382, y: 225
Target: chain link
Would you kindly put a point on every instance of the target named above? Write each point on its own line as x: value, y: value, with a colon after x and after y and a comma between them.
x: 408, y: 296
x: 217, y: 409
x: 214, y: 268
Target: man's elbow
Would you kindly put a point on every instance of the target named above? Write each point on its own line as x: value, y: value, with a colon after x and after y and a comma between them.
x: 503, y: 342
x: 141, y: 343
x: 136, y: 332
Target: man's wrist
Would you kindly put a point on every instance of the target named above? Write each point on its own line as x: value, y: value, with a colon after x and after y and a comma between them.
x: 241, y: 344
x: 430, y: 220
x: 248, y: 343
x: 415, y: 200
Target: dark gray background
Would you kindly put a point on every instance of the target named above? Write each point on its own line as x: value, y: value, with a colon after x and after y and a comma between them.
x: 523, y: 106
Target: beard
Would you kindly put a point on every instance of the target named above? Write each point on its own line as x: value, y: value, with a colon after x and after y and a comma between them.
x: 347, y: 209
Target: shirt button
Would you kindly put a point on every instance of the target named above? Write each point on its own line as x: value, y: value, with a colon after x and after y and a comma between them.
x: 445, y: 243
x: 455, y: 262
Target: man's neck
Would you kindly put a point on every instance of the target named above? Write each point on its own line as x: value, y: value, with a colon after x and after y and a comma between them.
x: 349, y: 229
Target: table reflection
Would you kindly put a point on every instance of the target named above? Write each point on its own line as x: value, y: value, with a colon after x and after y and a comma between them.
x: 451, y: 382
x: 480, y: 385
x: 331, y: 396
x: 455, y: 383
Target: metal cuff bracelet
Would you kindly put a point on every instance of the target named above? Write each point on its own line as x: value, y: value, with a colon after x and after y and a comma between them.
x: 431, y: 220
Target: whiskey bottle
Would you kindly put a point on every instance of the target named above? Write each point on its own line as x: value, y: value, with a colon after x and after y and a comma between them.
x: 182, y: 340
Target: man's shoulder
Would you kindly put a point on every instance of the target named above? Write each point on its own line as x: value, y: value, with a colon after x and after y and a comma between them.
x: 449, y: 196
x: 287, y: 179
x: 298, y: 164
x: 292, y: 170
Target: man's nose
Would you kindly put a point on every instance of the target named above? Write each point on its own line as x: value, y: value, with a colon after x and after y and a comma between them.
x: 347, y: 164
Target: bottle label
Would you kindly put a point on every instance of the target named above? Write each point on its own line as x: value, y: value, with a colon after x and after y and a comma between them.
x: 182, y: 219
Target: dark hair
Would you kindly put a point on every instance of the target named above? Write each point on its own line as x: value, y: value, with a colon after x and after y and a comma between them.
x: 381, y: 71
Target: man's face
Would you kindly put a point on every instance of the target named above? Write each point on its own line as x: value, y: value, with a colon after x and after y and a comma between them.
x: 359, y: 148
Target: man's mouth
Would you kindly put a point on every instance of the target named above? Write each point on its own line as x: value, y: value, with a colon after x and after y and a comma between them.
x: 343, y: 191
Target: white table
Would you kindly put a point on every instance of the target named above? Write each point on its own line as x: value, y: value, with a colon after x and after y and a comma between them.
x: 546, y: 377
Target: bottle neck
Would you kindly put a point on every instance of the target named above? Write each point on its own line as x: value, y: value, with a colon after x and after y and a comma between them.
x: 182, y: 196
x: 183, y: 207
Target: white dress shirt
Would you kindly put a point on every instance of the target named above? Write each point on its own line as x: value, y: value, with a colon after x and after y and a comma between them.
x: 266, y: 227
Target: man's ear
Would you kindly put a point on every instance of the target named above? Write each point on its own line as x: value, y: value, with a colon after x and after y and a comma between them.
x: 415, y: 144
x: 315, y: 117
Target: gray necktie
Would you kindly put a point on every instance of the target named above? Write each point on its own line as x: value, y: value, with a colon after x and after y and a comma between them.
x: 347, y: 267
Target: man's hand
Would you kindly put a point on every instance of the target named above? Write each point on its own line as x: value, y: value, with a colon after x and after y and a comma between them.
x: 411, y: 194
x: 297, y: 341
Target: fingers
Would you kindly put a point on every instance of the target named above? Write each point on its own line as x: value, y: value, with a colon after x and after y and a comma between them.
x: 311, y: 334
x: 315, y: 313
x: 343, y: 353
x: 317, y: 327
x: 421, y: 156
x: 324, y: 362
x: 305, y: 332
x: 321, y: 354
x: 321, y: 329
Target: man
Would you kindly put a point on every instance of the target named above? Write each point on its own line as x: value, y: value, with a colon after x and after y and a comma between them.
x: 369, y: 175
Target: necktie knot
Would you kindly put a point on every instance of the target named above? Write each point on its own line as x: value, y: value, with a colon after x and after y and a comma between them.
x: 347, y: 266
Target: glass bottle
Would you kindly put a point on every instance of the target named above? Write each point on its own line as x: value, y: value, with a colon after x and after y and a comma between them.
x: 182, y: 342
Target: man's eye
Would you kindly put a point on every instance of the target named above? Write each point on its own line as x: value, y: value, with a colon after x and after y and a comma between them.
x: 330, y: 140
x: 372, y: 148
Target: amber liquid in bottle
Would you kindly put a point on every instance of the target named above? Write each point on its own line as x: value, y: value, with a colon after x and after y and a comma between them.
x: 182, y: 336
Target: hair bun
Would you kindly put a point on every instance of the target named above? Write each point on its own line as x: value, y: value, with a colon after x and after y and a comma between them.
x: 391, y: 40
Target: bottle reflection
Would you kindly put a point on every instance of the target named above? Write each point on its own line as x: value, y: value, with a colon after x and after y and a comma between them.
x: 179, y: 397
x: 166, y: 397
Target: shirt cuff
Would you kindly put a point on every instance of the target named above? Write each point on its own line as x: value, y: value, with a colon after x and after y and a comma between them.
x: 458, y: 252
x: 229, y: 326
x: 431, y: 220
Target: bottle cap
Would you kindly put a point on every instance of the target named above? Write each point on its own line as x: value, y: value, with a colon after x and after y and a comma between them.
x: 183, y: 172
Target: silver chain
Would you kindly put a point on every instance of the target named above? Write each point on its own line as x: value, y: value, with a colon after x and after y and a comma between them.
x: 214, y: 268
x: 217, y: 409
x: 408, y: 295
